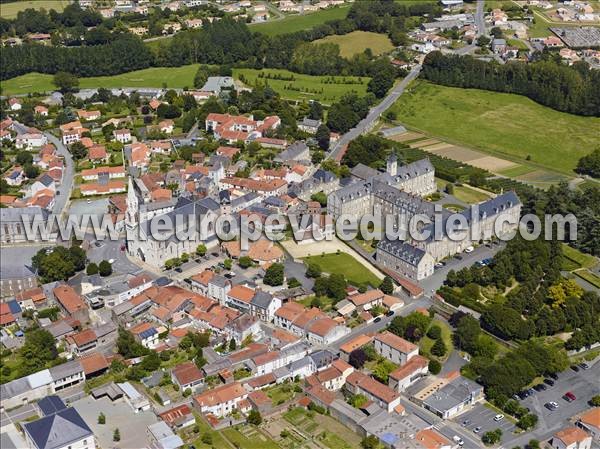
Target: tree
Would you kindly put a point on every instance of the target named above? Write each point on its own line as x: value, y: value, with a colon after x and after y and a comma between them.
x: 254, y: 417
x: 387, y: 286
x: 313, y: 270
x: 101, y: 418
x: 323, y: 136
x: 590, y: 164
x: 91, y: 269
x: 370, y: 442
x: 232, y: 345
x: 533, y: 444
x: 315, y: 111
x: 595, y: 401
x: 337, y: 286
x: 434, y: 332
x: 227, y: 264
x: 245, y: 262
x: 24, y: 157
x: 65, y: 82
x: 527, y: 421
x: 78, y: 151
x: 293, y: 283
x: 382, y: 370
x: 492, y: 437
x: 105, y: 268
x: 201, y: 250
x: 127, y: 345
x: 483, y: 41
x: 37, y: 352
x: 116, y: 435
x: 274, y: 275
x: 439, y: 348
x: 207, y: 438
x: 31, y: 171
x: 357, y: 358
x: 320, y: 197
x: 434, y: 367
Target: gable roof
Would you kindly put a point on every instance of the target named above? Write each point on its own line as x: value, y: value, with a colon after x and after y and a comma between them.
x: 398, y: 343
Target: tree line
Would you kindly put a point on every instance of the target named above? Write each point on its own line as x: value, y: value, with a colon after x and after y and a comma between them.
x: 574, y: 89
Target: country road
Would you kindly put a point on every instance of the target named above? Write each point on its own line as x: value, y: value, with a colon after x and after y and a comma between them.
x: 366, y: 124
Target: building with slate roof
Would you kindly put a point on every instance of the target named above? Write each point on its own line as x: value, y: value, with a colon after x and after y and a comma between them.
x: 398, y: 193
x: 61, y: 427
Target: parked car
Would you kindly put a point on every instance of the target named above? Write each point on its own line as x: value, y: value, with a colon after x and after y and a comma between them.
x: 459, y: 257
x: 499, y: 417
x: 553, y: 376
x: 584, y: 365
x: 179, y: 270
x: 549, y: 382
x: 466, y: 422
x: 458, y: 440
x: 551, y: 405
x: 575, y: 368
x: 477, y: 429
x: 540, y: 387
x: 469, y: 249
x: 390, y: 313
x: 439, y: 265
x: 378, y: 319
x: 569, y: 397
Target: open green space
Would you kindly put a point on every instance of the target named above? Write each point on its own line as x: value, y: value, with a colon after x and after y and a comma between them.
x: 10, y: 10
x: 281, y: 393
x: 579, y: 259
x: 296, y: 86
x: 358, y: 41
x: 300, y: 22
x: 345, y: 264
x: 153, y: 77
x: 518, y: 170
x: 248, y: 437
x: 588, y: 276
x: 470, y: 195
x: 324, y: 429
x: 426, y: 343
x: 507, y: 125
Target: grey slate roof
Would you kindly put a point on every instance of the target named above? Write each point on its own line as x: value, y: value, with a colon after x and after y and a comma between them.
x: 403, y: 251
x: 364, y: 172
x: 58, y: 430
x: 261, y: 299
x: 292, y: 152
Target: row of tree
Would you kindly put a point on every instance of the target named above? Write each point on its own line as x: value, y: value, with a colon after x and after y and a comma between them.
x: 573, y: 89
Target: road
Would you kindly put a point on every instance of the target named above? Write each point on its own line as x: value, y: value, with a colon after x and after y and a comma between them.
x: 480, y: 23
x: 366, y: 124
x: 61, y: 199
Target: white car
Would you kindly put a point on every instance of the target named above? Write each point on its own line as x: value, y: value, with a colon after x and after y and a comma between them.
x: 469, y: 249
x: 499, y: 417
x: 458, y: 440
x: 111, y: 261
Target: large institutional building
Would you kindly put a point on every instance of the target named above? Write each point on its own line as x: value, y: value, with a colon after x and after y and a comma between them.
x: 399, y: 192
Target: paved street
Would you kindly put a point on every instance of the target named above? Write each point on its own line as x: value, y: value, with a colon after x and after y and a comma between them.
x: 367, y: 123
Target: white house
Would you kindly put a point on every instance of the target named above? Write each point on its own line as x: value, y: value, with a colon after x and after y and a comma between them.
x: 222, y: 400
x: 394, y: 348
x: 571, y: 438
x: 31, y: 140
x: 122, y: 135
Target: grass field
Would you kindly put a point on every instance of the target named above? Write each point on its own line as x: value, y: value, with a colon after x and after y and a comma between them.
x: 299, y: 22
x: 358, y: 41
x: 248, y: 437
x: 153, y: 77
x: 581, y: 260
x: 588, y: 276
x: 326, y: 89
x: 426, y: 343
x: 469, y: 195
x: 507, y: 125
x: 344, y: 264
x: 10, y: 10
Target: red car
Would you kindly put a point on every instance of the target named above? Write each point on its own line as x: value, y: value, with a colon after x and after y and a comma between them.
x: 569, y: 396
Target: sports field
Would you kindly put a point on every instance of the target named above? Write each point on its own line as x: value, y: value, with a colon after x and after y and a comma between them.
x: 506, y: 125
x: 152, y: 77
x: 10, y: 10
x: 295, y: 86
x: 358, y: 41
x: 299, y: 22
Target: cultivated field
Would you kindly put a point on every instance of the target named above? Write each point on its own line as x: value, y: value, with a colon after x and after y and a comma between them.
x: 358, y: 41
x: 508, y: 126
x: 10, y: 10
x: 295, y: 86
x: 153, y: 77
x: 299, y: 22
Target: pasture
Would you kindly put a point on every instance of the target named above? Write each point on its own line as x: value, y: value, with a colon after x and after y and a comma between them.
x: 10, y: 10
x: 300, y: 22
x: 358, y: 41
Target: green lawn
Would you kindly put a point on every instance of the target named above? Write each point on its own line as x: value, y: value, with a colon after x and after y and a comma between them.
x: 358, y: 41
x: 281, y: 393
x: 10, y: 10
x: 295, y: 86
x: 469, y: 195
x: 508, y: 125
x: 300, y: 22
x: 579, y: 259
x: 248, y: 437
x: 152, y: 77
x: 332, y: 441
x: 588, y: 276
x: 345, y: 264
x: 518, y: 170
x: 426, y: 343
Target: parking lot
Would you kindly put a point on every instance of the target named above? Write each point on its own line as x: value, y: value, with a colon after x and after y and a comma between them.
x: 482, y: 416
x: 583, y: 384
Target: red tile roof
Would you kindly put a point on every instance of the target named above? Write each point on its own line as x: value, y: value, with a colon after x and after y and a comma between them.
x: 69, y: 299
x: 187, y: 373
x: 93, y: 363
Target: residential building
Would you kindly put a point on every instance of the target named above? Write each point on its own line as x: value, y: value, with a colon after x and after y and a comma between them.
x: 408, y: 373
x: 359, y: 383
x: 71, y: 302
x: 394, y: 348
x: 590, y: 422
x: 187, y: 375
x: 222, y: 400
x: 122, y: 135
